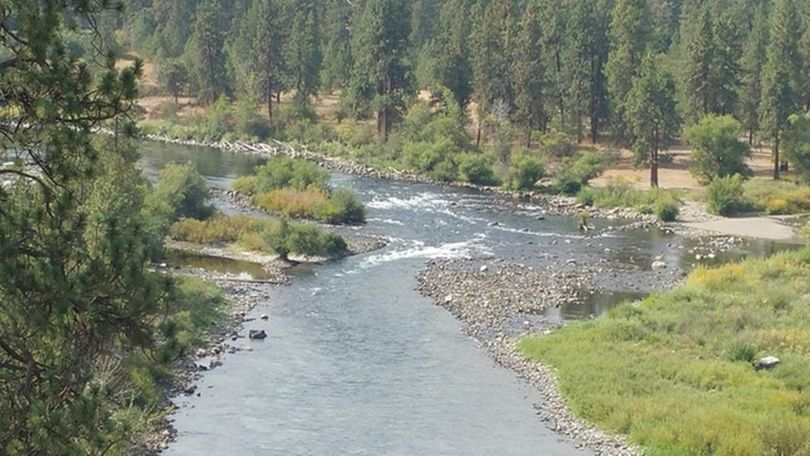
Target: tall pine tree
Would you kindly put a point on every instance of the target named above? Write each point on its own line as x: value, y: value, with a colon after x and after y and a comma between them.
x: 528, y: 76
x: 781, y: 79
x: 380, y: 78
x: 208, y: 53
x: 651, y: 114
x: 630, y: 33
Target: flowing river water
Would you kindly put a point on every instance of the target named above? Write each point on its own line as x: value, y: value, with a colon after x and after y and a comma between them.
x: 357, y: 362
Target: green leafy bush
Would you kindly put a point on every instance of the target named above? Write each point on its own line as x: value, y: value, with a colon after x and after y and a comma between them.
x: 741, y: 351
x: 663, y: 203
x: 303, y: 239
x: 262, y: 235
x: 575, y: 172
x: 778, y: 197
x: 716, y: 148
x: 181, y: 192
x: 797, y: 144
x: 667, y: 210
x: 283, y: 172
x: 248, y: 125
x: 557, y: 144
x: 344, y: 207
x: 476, y: 169
x: 724, y: 196
x: 525, y: 172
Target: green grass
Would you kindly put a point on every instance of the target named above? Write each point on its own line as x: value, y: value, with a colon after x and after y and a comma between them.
x: 298, y: 189
x: 260, y: 235
x: 674, y: 373
x: 778, y: 197
x: 665, y: 204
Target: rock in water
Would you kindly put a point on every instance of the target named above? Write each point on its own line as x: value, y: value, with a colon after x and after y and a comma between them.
x: 257, y: 334
x: 768, y: 362
x: 658, y: 265
x: 484, y: 268
x: 265, y: 317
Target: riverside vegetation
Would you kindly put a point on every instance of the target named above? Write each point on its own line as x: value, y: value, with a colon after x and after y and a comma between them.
x: 675, y: 372
x: 89, y: 327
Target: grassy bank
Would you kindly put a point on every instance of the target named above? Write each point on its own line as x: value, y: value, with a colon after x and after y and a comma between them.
x: 675, y: 372
x: 665, y: 204
x: 299, y: 189
x: 265, y: 236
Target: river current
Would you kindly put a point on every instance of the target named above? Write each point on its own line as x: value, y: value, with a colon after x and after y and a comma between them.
x: 359, y: 363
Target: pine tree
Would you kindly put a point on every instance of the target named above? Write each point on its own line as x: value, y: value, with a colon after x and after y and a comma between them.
x: 699, y: 64
x: 423, y: 20
x: 450, y: 50
x: 380, y: 77
x: 630, y: 31
x: 255, y: 53
x: 726, y: 69
x: 493, y: 32
x: 804, y: 91
x: 752, y: 63
x: 208, y: 56
x: 651, y: 114
x: 781, y: 78
x: 302, y: 50
x: 337, y: 56
x: 579, y: 57
x: 528, y: 76
x: 74, y: 279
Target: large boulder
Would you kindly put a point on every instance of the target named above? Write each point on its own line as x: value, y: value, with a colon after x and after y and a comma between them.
x: 768, y: 362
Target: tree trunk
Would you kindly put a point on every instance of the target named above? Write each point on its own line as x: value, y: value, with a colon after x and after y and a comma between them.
x: 776, y: 161
x: 528, y: 138
x: 270, y: 104
x: 278, y: 96
x: 751, y: 137
x: 654, y: 162
x: 478, y: 133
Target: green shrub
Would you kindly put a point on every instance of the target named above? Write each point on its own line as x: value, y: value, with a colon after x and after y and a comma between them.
x: 345, y: 207
x: 619, y: 193
x: 307, y: 132
x: 667, y: 210
x: 716, y: 148
x: 248, y: 124
x: 338, y: 206
x: 797, y: 145
x: 181, y: 192
x: 424, y: 157
x: 575, y: 172
x: 476, y: 169
x: 307, y: 240
x: 724, y: 196
x: 354, y: 133
x: 557, y: 144
x: 778, y: 197
x: 283, y: 172
x: 525, y: 172
x: 445, y: 171
x: 741, y: 351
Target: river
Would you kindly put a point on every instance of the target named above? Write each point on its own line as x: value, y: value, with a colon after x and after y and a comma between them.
x: 359, y: 363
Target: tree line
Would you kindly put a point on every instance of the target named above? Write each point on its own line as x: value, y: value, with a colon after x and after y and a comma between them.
x: 632, y: 71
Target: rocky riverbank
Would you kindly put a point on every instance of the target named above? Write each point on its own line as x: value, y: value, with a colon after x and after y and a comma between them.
x: 228, y: 338
x: 500, y: 301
